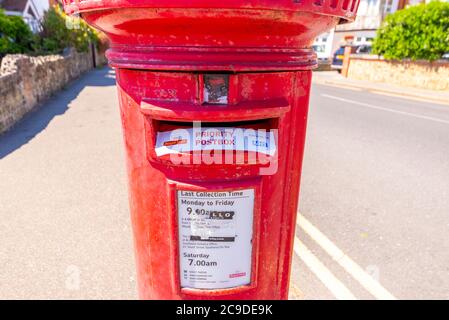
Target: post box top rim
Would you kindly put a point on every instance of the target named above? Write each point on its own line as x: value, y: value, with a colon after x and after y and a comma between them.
x: 344, y: 9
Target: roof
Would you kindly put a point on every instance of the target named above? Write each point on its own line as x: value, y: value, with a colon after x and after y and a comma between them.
x: 14, y: 5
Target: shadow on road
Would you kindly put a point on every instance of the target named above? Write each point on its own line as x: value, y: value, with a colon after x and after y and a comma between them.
x: 36, y: 121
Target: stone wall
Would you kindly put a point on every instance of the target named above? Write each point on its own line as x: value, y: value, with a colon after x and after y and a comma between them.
x: 418, y: 74
x: 25, y: 81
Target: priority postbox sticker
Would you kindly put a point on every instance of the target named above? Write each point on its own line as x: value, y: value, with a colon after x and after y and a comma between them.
x: 217, y: 138
x: 215, y: 238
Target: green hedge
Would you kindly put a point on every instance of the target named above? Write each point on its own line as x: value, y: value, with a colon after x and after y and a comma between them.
x: 58, y: 32
x: 15, y: 35
x: 418, y: 32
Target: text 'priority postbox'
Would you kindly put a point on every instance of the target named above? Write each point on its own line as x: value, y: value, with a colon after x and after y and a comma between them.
x: 213, y: 102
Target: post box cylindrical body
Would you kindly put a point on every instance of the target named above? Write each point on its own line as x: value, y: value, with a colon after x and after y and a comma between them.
x: 214, y: 104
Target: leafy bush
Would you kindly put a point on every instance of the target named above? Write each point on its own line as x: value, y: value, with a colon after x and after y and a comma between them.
x: 15, y: 35
x: 60, y: 31
x: 418, y: 32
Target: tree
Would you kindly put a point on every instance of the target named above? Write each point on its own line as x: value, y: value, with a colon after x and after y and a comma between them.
x: 418, y: 32
x: 60, y: 31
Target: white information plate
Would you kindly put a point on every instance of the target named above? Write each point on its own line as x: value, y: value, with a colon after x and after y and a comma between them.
x: 215, y: 238
x: 217, y: 138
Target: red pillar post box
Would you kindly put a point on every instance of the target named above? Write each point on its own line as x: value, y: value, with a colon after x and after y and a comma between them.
x: 213, y: 99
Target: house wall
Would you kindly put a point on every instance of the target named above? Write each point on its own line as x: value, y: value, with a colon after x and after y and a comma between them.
x: 25, y: 82
x: 41, y: 6
x: 419, y: 74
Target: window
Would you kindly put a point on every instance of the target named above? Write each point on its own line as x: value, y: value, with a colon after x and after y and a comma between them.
x: 319, y: 49
x: 372, y: 4
x: 388, y: 6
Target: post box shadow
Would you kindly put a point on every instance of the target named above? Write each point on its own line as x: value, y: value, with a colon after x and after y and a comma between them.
x: 36, y: 121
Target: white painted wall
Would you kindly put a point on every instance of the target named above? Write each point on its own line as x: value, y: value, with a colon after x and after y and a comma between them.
x: 41, y: 6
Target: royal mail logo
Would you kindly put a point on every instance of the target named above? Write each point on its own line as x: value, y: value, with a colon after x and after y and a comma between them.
x: 237, y: 275
x: 175, y: 142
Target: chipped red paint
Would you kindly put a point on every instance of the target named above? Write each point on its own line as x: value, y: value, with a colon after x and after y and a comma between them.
x: 161, y: 53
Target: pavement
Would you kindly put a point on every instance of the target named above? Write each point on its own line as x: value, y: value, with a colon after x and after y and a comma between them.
x: 374, y: 205
x: 65, y: 230
x: 335, y: 79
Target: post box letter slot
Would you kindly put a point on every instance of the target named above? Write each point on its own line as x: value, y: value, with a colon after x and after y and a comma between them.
x: 259, y: 136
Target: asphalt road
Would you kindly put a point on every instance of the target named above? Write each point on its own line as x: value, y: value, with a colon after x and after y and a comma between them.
x: 376, y: 185
x: 374, y: 202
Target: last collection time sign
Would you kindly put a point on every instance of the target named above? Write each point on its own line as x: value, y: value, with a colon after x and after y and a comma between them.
x: 215, y: 238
